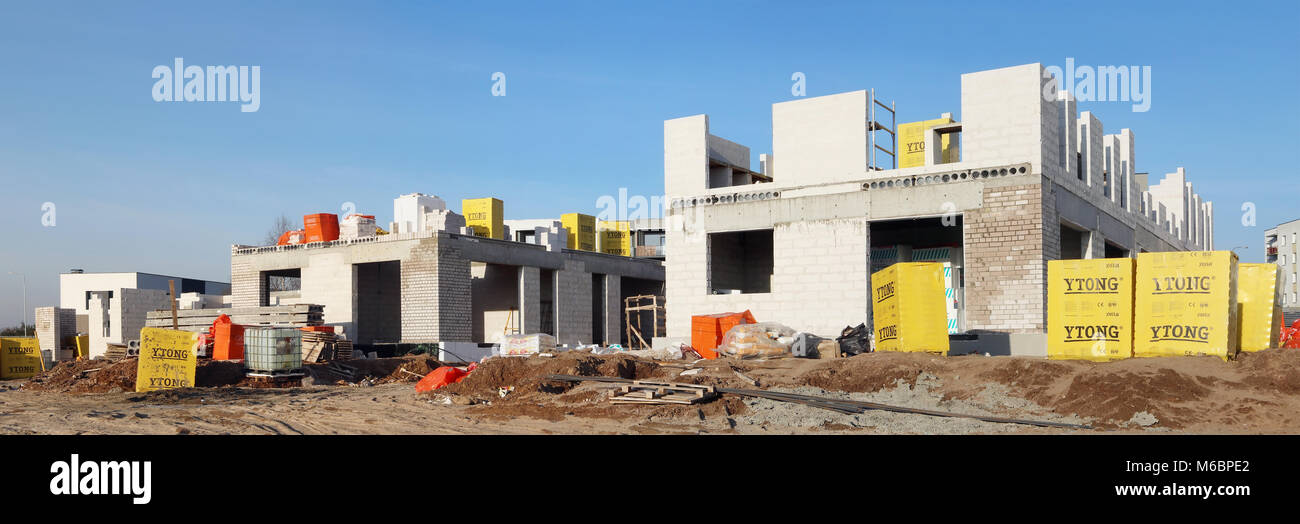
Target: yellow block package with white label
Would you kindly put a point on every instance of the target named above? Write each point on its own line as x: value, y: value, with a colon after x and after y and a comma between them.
x: 1090, y: 309
x: 907, y: 305
x: 582, y: 231
x: 486, y: 216
x: 1186, y: 304
x: 911, y: 143
x: 1259, y: 300
x: 20, y: 357
x: 614, y: 237
x: 168, y: 360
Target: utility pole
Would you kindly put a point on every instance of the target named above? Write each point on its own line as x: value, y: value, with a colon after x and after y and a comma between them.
x: 24, y: 311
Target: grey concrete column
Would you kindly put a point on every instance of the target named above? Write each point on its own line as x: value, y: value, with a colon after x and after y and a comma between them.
x: 614, y: 309
x: 1096, y: 245
x: 530, y: 299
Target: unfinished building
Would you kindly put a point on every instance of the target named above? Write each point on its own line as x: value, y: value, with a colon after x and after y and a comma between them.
x: 431, y: 283
x: 1032, y: 180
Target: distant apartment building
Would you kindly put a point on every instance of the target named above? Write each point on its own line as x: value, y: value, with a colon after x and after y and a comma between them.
x: 1280, y: 247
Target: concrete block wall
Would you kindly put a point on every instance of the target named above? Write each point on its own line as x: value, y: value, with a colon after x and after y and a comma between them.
x: 819, y: 281
x: 820, y: 139
x: 573, y: 304
x: 1090, y: 145
x: 1005, y: 259
x: 329, y: 278
x: 436, y: 298
x: 1006, y: 119
x: 247, y: 288
x: 686, y: 155
x: 135, y: 304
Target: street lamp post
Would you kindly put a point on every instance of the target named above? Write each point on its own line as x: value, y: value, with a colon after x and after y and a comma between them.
x: 24, y: 312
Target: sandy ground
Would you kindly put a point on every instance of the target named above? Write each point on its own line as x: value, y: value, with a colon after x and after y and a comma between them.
x: 1257, y: 393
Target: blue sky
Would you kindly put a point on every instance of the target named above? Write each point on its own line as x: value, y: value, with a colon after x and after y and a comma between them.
x: 361, y: 102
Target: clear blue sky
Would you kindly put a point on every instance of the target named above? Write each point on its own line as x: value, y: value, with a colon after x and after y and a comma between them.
x: 364, y: 101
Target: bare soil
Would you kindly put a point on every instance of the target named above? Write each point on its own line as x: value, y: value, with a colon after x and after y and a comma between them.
x: 1256, y: 393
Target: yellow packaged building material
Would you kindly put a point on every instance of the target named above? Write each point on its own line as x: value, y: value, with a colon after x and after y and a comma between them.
x: 1259, y: 300
x: 168, y: 359
x: 1090, y: 309
x: 1186, y: 304
x: 486, y: 216
x: 615, y: 237
x: 20, y: 357
x: 582, y: 231
x: 911, y: 143
x: 907, y: 306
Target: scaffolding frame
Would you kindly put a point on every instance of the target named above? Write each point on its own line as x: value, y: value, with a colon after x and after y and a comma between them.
x: 873, y: 125
x: 633, y: 306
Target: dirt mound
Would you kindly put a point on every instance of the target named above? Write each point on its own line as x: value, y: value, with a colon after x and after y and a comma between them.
x: 86, y: 376
x: 869, y: 372
x: 420, y: 366
x: 1274, y: 369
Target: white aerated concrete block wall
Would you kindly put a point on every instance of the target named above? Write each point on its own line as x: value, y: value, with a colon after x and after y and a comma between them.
x: 820, y: 139
x: 819, y: 281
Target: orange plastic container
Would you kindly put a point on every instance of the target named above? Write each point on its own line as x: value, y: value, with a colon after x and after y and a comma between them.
x: 228, y: 339
x: 321, y: 227
x: 707, y: 330
x: 327, y: 329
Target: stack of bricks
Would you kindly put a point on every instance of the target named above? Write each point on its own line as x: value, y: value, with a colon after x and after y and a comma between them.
x: 1005, y: 260
x: 53, y: 325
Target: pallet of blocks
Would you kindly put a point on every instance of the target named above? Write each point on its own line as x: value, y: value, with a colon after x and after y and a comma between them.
x: 646, y: 392
x: 295, y: 315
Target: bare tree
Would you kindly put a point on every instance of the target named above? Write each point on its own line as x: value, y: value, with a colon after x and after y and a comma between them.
x: 282, y: 226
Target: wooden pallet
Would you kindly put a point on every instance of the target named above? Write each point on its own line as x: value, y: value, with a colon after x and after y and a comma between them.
x: 648, y: 392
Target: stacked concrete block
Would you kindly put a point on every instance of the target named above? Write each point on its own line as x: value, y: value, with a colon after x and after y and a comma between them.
x: 411, y: 211
x: 53, y: 326
x: 117, y: 316
x: 443, y: 220
x: 357, y: 226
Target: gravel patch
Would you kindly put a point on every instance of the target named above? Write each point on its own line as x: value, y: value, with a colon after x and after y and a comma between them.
x: 779, y: 417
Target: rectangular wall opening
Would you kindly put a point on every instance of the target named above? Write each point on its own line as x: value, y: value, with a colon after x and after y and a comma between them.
x: 494, y: 301
x: 379, y: 302
x: 548, y: 301
x: 1071, y: 243
x: 1114, y: 251
x: 283, y: 287
x: 647, y: 323
x: 740, y: 262
x: 598, y: 309
x: 933, y: 239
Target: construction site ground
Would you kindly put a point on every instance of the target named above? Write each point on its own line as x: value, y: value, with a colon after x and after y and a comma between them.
x: 1256, y: 393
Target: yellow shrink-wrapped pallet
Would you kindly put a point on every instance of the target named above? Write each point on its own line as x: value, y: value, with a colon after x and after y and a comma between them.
x: 582, y: 231
x: 1186, y: 304
x: 20, y: 357
x: 908, y: 308
x: 486, y: 216
x: 1090, y: 309
x: 168, y: 360
x: 1259, y: 300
